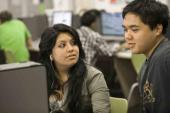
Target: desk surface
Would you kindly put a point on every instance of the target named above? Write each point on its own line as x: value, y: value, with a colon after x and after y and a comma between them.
x: 124, y: 54
x: 113, y: 38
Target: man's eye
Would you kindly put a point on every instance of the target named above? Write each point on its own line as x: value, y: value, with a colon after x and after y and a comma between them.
x: 125, y: 30
x: 135, y: 30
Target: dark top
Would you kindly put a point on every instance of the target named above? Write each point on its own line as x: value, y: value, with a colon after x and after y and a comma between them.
x: 155, y: 80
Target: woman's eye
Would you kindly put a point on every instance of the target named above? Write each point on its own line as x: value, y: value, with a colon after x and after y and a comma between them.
x: 73, y: 42
x: 61, y: 45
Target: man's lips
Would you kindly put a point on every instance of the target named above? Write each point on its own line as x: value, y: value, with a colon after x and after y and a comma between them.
x: 130, y: 45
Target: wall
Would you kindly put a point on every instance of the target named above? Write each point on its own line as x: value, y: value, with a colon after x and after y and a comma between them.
x: 22, y: 8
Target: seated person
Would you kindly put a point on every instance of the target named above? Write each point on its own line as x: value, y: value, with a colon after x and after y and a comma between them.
x: 14, y: 37
x: 92, y: 41
x: 74, y: 87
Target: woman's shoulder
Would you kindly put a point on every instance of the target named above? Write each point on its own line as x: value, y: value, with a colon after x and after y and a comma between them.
x: 93, y: 72
x: 92, y: 69
x: 95, y: 80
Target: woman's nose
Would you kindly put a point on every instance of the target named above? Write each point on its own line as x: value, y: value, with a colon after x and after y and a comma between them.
x: 69, y: 48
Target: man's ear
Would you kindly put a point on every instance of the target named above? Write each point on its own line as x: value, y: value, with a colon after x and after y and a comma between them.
x: 159, y: 29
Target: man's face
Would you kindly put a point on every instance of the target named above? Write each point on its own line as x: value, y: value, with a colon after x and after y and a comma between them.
x: 138, y: 36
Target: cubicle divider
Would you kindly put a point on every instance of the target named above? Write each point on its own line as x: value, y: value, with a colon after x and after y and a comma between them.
x: 106, y: 65
x: 23, y: 88
x: 126, y: 73
x: 36, y: 24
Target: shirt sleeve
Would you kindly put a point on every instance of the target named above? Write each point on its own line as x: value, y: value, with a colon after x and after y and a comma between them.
x: 99, y: 93
x: 102, y: 46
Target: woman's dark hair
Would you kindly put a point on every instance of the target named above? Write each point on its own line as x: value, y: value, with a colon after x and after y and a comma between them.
x: 76, y: 74
x: 5, y: 16
x: 89, y: 17
x: 151, y: 12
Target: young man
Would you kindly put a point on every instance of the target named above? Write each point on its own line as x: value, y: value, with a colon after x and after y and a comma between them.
x: 145, y: 23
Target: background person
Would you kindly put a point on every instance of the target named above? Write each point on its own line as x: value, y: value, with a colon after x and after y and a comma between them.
x: 74, y: 87
x: 14, y: 37
x: 92, y: 41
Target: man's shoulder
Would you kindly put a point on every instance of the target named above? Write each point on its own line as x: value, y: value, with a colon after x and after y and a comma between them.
x: 164, y: 48
x: 161, y: 53
x: 17, y: 21
x: 88, y: 31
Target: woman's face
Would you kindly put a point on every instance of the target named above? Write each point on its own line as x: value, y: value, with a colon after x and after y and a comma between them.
x: 65, y: 53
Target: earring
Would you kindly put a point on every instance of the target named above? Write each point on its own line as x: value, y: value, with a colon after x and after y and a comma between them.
x: 51, y: 58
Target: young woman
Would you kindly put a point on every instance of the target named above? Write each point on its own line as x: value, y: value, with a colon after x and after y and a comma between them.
x: 74, y: 87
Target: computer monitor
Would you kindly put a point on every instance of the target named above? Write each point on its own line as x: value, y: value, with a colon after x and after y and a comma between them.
x: 64, y: 17
x: 111, y: 24
x: 23, y: 88
x: 36, y: 25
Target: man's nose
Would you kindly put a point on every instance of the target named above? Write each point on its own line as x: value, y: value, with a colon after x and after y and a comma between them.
x: 128, y: 35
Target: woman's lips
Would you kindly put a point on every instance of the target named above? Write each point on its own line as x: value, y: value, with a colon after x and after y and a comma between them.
x: 71, y: 56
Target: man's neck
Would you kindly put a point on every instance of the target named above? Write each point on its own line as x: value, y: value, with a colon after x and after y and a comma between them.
x: 154, y: 47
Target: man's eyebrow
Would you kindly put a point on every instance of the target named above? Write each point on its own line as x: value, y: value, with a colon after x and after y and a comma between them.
x: 131, y: 26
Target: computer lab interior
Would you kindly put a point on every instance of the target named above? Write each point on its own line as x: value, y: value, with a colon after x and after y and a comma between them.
x: 121, y: 70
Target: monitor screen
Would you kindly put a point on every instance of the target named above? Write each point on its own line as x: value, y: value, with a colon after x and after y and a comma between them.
x: 112, y: 24
x: 64, y: 17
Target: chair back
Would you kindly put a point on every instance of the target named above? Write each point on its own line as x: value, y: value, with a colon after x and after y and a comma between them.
x: 6, y: 56
x: 2, y: 57
x: 137, y: 61
x: 134, y: 99
x: 118, y: 105
x: 10, y: 58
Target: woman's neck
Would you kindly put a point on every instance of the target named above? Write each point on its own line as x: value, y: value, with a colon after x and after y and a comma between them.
x: 63, y: 76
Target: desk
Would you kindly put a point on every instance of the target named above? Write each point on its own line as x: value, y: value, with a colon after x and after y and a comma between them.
x: 124, y: 54
x: 113, y: 38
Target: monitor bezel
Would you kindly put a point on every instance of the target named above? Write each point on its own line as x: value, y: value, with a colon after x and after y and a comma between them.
x: 63, y: 12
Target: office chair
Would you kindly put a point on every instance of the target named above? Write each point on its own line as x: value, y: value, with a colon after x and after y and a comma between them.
x: 2, y: 57
x: 6, y: 56
x: 134, y: 99
x: 9, y: 57
x: 118, y: 105
x: 137, y: 61
x: 34, y: 55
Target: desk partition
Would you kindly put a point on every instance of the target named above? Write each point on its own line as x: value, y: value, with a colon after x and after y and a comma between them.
x: 23, y: 88
x: 126, y: 73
